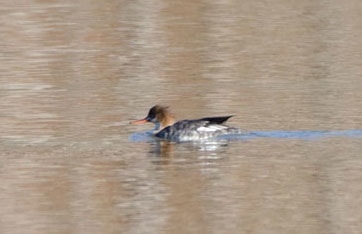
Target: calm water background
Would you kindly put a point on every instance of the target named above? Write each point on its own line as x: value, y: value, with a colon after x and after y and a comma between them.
x: 72, y: 75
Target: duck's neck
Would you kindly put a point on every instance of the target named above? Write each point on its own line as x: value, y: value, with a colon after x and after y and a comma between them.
x: 167, y: 121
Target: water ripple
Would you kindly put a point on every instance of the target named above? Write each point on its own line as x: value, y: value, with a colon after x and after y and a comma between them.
x: 144, y: 137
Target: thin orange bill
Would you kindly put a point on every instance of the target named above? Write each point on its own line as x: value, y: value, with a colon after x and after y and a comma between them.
x: 139, y: 121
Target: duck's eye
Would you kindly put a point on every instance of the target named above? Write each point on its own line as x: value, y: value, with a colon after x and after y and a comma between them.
x: 151, y: 114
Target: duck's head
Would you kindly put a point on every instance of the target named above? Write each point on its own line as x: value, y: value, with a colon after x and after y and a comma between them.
x: 158, y: 115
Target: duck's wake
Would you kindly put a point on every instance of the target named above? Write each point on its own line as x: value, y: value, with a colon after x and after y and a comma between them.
x: 307, y: 135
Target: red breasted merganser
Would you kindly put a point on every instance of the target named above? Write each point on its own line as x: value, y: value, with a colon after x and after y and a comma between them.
x: 186, y: 130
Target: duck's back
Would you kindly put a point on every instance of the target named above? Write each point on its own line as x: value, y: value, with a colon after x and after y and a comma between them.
x: 198, y: 129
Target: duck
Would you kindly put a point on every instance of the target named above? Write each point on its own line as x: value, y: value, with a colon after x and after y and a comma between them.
x: 185, y: 130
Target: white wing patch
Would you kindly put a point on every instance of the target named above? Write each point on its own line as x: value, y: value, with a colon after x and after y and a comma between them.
x: 211, y: 128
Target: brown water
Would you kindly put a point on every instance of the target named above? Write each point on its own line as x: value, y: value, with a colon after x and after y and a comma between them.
x: 72, y: 75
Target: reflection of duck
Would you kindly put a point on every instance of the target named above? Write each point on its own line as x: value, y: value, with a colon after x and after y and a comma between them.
x: 186, y: 130
x: 164, y: 149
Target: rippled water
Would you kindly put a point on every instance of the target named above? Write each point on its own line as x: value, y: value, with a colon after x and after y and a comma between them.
x: 73, y: 74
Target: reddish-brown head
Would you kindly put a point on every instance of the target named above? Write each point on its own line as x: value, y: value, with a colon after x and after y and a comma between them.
x: 158, y: 114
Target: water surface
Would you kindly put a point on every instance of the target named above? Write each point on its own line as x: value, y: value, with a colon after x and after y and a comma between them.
x: 73, y: 74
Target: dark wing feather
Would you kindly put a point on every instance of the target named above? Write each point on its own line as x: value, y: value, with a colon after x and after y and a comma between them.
x: 216, y: 120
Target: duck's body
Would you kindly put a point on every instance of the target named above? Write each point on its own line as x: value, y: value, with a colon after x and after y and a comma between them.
x: 186, y: 130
